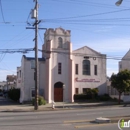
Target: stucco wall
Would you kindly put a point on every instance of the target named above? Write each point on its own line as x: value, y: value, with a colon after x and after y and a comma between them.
x: 100, y: 61
x: 28, y: 82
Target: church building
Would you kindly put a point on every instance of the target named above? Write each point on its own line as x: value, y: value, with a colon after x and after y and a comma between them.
x: 64, y: 72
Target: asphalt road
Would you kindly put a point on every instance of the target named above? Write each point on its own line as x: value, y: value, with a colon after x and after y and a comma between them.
x: 60, y: 120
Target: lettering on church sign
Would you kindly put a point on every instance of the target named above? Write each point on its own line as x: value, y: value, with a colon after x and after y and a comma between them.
x: 86, y: 80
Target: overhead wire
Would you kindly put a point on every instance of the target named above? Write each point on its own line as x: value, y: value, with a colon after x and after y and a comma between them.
x: 5, y: 65
x: 40, y: 37
x: 84, y: 54
x: 95, y: 4
x: 2, y: 11
x: 20, y: 50
x: 90, y: 15
x: 6, y: 70
x: 17, y: 41
x: 2, y: 57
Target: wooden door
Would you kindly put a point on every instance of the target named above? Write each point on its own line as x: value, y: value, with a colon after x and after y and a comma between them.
x: 58, y: 94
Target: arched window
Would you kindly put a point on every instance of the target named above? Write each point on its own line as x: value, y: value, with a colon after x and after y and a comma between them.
x: 60, y: 42
x: 86, y: 67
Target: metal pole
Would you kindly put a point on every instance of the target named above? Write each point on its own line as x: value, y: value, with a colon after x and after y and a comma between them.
x: 63, y: 96
x: 36, y: 58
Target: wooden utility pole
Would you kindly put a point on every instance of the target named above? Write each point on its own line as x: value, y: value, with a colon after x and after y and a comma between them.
x: 36, y: 57
x: 34, y: 14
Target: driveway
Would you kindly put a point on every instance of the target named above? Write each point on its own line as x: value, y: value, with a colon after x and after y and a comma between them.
x: 6, y: 101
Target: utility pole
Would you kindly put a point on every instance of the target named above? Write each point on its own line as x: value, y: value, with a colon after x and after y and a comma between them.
x: 34, y: 14
x: 36, y: 56
x: 36, y: 74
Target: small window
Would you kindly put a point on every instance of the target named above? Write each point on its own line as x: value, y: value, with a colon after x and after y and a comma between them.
x: 33, y: 93
x: 59, y: 68
x: 76, y: 68
x: 95, y: 69
x: 120, y: 66
x: 86, y: 67
x: 60, y: 42
x: 76, y: 90
x: 20, y: 73
x: 85, y: 90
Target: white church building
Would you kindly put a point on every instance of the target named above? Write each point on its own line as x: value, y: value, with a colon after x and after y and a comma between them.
x: 62, y: 71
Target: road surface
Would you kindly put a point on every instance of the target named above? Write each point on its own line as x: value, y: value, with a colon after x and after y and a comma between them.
x: 61, y: 120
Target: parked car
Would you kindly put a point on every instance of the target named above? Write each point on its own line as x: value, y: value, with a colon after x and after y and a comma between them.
x: 1, y: 93
x: 5, y: 94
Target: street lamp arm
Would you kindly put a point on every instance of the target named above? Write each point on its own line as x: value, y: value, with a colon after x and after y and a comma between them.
x: 118, y: 3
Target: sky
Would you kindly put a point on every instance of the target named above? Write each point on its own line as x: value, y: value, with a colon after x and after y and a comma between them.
x: 100, y: 25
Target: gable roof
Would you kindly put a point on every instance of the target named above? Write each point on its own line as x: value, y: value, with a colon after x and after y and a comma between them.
x: 89, y: 49
x: 11, y: 78
x: 127, y: 54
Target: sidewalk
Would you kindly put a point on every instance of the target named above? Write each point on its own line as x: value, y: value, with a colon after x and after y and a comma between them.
x: 58, y: 106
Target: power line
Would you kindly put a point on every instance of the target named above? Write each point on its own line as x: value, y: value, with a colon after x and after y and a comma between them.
x: 80, y: 23
x: 95, y: 4
x: 2, y: 57
x: 20, y: 39
x: 2, y: 11
x: 97, y: 14
x: 6, y: 70
x: 102, y: 56
x: 2, y: 51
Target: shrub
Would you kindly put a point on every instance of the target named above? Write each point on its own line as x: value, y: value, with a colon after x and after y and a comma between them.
x: 89, y: 94
x: 14, y: 94
x: 41, y: 101
x: 79, y: 96
x: 104, y: 97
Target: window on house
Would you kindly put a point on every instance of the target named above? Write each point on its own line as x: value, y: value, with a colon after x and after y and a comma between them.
x: 17, y: 75
x: 60, y: 42
x: 95, y: 69
x: 33, y: 93
x: 85, y: 90
x: 59, y: 68
x: 120, y: 66
x: 76, y: 68
x: 86, y: 67
x: 76, y: 90
x: 20, y: 73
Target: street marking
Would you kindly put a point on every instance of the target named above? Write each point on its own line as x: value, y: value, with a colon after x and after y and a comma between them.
x: 94, y: 125
x: 91, y: 113
x: 76, y: 121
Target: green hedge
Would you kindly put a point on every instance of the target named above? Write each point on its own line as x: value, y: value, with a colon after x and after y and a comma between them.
x: 41, y: 101
x: 84, y: 97
x: 88, y: 94
x: 14, y: 94
x: 81, y: 97
x: 104, y: 97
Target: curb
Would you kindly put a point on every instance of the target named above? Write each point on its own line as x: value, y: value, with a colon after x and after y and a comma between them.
x: 58, y: 107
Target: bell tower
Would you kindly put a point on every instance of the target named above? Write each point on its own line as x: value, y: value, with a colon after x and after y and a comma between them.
x: 57, y: 49
x: 60, y: 38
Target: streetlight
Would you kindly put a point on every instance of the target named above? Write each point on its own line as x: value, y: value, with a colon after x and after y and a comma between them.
x: 63, y: 94
x: 118, y: 3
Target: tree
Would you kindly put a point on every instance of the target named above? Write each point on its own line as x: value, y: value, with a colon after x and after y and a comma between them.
x: 121, y: 82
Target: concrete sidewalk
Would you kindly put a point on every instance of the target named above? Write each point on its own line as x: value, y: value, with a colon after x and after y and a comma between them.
x: 58, y: 106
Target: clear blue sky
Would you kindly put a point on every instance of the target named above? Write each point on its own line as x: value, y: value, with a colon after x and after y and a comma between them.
x: 98, y: 24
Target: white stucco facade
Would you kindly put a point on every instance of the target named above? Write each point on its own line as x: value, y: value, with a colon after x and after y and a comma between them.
x: 64, y: 72
x: 125, y: 62
x: 93, y: 80
x: 25, y: 78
